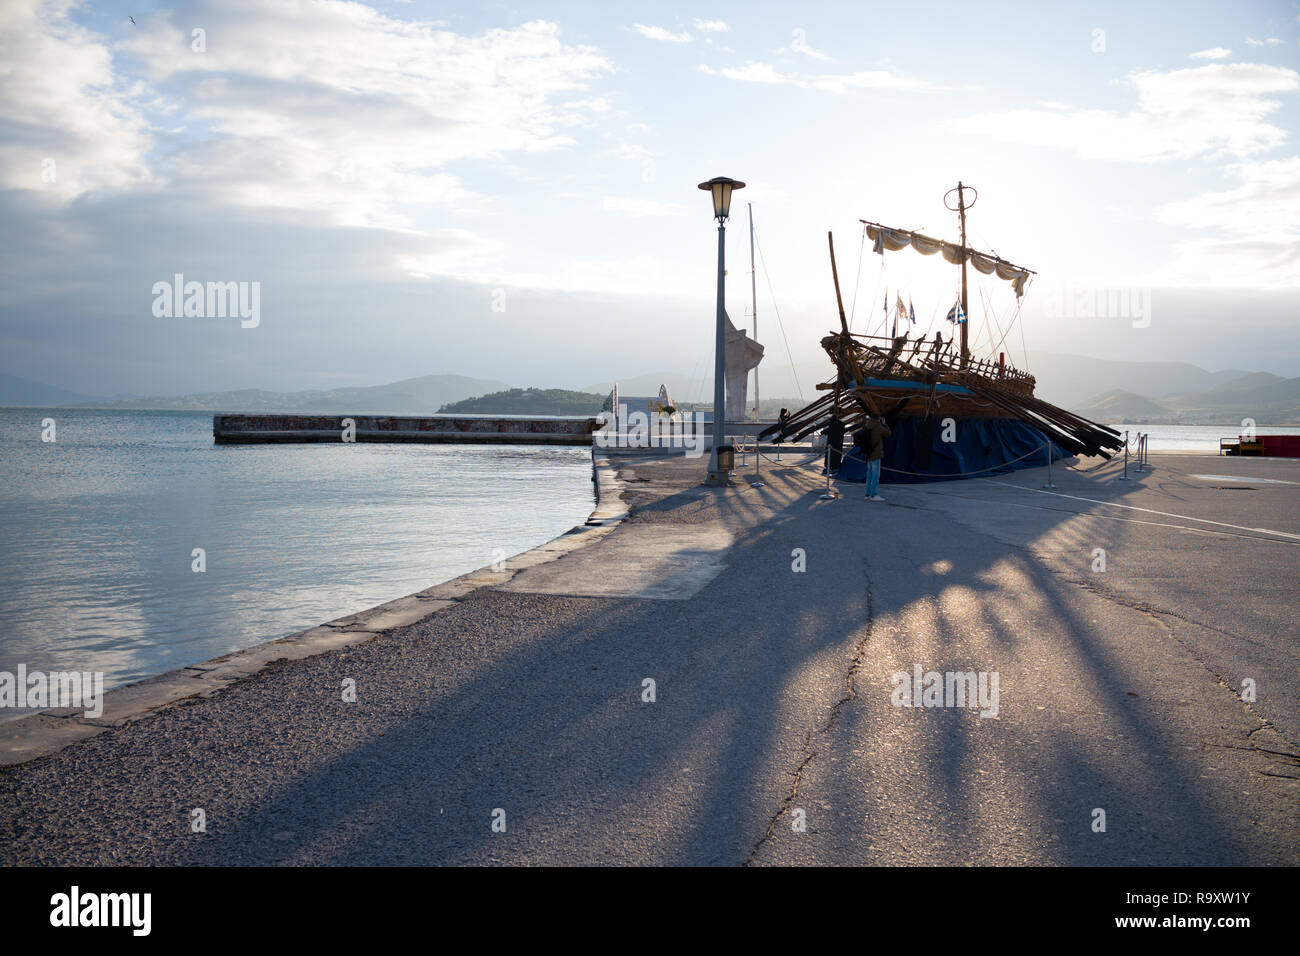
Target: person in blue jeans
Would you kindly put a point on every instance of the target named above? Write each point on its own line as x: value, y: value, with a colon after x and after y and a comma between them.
x: 870, y: 442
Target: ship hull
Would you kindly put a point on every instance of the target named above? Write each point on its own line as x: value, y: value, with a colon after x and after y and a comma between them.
x: 938, y: 448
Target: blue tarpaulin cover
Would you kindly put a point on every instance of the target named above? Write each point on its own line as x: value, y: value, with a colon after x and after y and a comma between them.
x: 916, y: 450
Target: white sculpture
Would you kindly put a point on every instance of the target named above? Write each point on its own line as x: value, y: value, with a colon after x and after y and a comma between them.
x: 743, y: 354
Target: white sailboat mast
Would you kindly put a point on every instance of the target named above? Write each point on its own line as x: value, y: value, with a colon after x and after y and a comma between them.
x: 753, y: 298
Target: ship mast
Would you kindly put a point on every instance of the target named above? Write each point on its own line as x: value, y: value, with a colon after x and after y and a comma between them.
x: 965, y: 308
x: 987, y: 263
x: 961, y: 215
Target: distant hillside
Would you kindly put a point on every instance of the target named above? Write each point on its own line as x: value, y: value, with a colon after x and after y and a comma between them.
x: 1268, y: 399
x: 1118, y: 405
x: 23, y: 391
x: 1152, y: 392
x: 528, y: 401
x: 774, y: 379
x: 1073, y: 380
x: 1261, y: 396
x: 412, y: 396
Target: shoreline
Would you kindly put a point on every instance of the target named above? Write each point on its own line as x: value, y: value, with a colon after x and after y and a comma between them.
x: 48, y: 731
x: 51, y: 730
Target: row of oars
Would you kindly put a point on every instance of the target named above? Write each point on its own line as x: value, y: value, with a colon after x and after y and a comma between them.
x: 1073, y: 433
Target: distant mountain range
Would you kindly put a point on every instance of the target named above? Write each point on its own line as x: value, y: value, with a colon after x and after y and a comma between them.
x: 1136, y: 392
x: 23, y: 391
x: 1267, y: 398
x: 412, y: 396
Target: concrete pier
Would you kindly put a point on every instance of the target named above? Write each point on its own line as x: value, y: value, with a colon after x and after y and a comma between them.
x: 502, y: 430
x: 710, y: 676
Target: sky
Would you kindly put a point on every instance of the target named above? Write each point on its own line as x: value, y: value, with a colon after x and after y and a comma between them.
x: 508, y: 191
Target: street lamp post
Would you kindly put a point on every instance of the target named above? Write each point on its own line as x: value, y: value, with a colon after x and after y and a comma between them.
x: 721, y: 189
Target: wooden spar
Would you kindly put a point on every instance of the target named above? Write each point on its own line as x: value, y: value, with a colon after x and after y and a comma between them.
x: 807, y: 413
x: 965, y: 250
x: 835, y: 277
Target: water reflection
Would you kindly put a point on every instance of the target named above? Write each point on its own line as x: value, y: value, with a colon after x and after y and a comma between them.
x: 97, y: 531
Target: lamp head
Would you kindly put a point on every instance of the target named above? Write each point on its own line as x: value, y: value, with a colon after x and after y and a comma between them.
x: 721, y: 188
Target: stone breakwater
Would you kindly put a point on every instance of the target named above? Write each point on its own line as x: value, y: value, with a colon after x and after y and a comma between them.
x: 256, y: 429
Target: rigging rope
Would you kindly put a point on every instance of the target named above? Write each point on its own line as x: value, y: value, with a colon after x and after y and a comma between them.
x: 862, y: 246
x: 775, y: 308
x: 1014, y: 319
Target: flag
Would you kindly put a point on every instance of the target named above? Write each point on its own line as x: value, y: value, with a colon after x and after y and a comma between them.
x: 911, y: 312
x: 900, y: 310
x: 955, y: 314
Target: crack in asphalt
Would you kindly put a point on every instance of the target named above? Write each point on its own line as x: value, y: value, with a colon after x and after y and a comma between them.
x: 850, y: 692
x: 1158, y: 615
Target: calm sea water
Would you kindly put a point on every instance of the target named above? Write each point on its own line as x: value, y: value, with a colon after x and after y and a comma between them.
x: 1195, y: 437
x: 97, y: 531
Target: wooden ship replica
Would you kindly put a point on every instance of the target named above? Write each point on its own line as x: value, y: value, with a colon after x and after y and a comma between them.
x: 951, y: 414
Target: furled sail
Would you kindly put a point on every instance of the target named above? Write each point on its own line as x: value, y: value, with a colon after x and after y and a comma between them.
x: 895, y: 239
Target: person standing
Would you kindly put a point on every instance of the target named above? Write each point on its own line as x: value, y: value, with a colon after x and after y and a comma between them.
x: 870, y: 442
x: 834, y: 445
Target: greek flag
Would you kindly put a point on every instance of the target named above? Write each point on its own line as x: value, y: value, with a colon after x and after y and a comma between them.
x: 955, y: 314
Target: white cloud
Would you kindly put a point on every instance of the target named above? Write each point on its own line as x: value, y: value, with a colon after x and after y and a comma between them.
x: 1267, y: 41
x: 634, y: 275
x: 711, y: 26
x: 337, y: 108
x: 65, y: 112
x: 631, y: 151
x: 450, y: 252
x: 1213, y: 109
x: 800, y: 45
x: 751, y: 72
x: 659, y: 33
x: 872, y: 80
x: 1215, y: 53
x: 757, y: 72
x: 1257, y: 226
x: 642, y: 207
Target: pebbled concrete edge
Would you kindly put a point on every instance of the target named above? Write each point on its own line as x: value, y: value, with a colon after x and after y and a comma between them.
x: 50, y: 731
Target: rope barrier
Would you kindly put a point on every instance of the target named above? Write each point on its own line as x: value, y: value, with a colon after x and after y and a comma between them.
x: 958, y: 474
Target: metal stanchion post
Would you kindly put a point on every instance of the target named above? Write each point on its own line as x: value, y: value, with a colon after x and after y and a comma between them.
x: 1125, y: 477
x: 1049, y: 465
x: 828, y: 494
x: 758, y: 457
